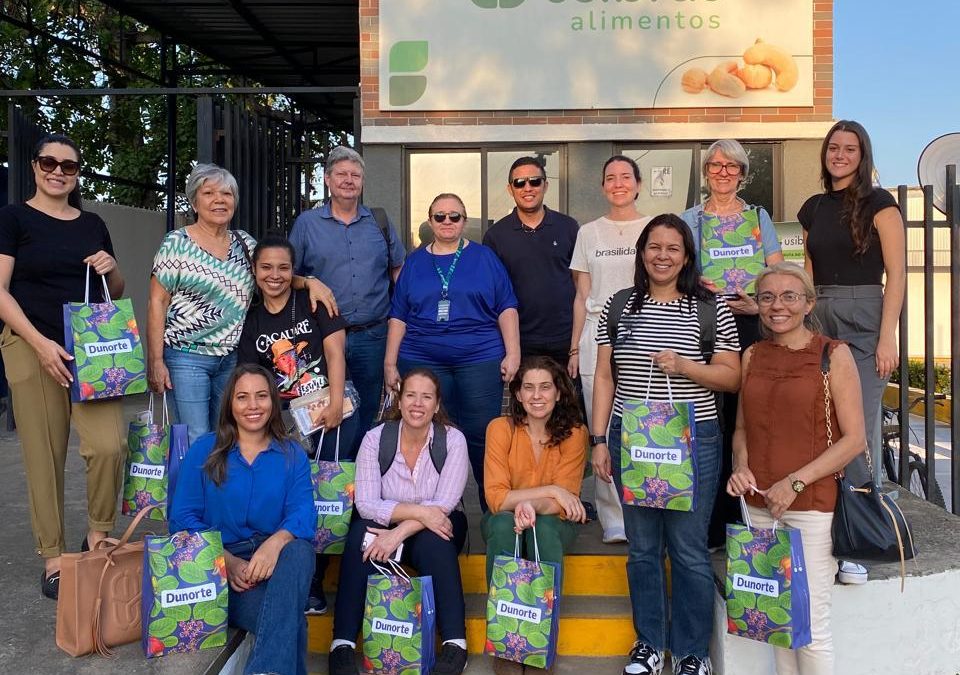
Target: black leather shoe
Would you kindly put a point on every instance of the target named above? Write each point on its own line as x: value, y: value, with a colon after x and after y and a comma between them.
x: 343, y: 661
x: 50, y: 585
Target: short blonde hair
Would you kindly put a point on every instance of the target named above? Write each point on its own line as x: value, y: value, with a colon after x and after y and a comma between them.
x: 792, y: 269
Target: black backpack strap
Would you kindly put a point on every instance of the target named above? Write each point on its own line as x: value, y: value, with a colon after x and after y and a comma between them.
x: 389, y: 437
x: 618, y: 304
x: 380, y: 215
x: 707, y: 316
x: 438, y: 448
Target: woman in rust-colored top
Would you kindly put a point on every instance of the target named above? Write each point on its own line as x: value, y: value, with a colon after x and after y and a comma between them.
x: 782, y: 460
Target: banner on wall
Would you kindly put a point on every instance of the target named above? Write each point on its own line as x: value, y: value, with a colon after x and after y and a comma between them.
x: 583, y: 54
x: 791, y: 241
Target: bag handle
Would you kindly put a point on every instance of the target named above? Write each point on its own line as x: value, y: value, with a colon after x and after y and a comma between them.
x: 646, y: 397
x: 395, y: 569
x: 536, y: 547
x: 745, y: 514
x: 86, y: 288
x: 336, y: 454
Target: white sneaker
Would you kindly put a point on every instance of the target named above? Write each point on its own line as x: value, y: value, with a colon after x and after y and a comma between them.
x: 614, y: 537
x: 691, y: 665
x: 644, y: 660
x: 852, y: 573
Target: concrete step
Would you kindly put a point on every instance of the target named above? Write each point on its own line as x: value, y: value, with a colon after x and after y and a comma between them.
x: 483, y: 665
x: 583, y: 619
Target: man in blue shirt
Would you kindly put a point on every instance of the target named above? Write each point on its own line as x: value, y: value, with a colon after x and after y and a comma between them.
x: 341, y: 243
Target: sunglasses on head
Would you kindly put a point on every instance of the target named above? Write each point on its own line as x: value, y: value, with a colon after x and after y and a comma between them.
x: 535, y: 181
x: 454, y: 216
x: 49, y: 164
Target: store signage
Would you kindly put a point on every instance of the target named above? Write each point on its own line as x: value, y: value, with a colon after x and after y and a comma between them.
x: 595, y: 54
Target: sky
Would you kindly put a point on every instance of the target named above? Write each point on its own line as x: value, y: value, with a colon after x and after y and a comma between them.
x: 896, y: 72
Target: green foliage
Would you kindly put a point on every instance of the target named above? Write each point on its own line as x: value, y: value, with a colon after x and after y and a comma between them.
x: 916, y: 369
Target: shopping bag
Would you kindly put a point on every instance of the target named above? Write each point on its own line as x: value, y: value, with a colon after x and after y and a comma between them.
x: 399, y: 623
x: 768, y: 599
x: 523, y: 609
x: 333, y: 499
x: 305, y: 410
x: 658, y: 458
x: 145, y: 474
x: 731, y: 254
x: 184, y: 599
x: 105, y: 344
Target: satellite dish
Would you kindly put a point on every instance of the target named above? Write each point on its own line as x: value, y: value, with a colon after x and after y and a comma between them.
x: 932, y: 167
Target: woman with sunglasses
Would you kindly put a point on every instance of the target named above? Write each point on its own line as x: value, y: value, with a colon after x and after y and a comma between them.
x: 454, y: 312
x: 726, y: 168
x: 786, y: 449
x: 46, y: 245
x: 602, y: 264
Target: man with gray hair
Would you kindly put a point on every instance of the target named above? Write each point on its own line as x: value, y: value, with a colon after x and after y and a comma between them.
x: 358, y: 255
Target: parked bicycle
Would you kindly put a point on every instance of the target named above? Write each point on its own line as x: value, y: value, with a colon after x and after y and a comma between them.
x: 917, y: 467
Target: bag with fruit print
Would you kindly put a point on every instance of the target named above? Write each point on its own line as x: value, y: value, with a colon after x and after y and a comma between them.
x: 523, y: 608
x: 731, y: 250
x: 184, y: 599
x: 399, y: 623
x: 146, y: 473
x: 658, y: 453
x: 768, y: 599
x: 105, y: 344
x: 333, y: 499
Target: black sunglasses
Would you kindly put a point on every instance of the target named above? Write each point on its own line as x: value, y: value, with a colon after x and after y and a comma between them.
x: 536, y: 181
x: 454, y: 216
x: 49, y: 164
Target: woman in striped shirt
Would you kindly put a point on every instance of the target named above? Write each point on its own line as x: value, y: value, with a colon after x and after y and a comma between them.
x: 409, y: 500
x: 658, y: 356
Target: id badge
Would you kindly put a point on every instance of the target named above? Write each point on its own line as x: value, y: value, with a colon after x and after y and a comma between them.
x: 443, y: 310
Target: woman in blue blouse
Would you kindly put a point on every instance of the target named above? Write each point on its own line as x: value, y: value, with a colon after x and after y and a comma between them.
x: 455, y: 313
x: 252, y: 484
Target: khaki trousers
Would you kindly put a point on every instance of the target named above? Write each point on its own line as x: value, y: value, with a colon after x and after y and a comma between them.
x: 43, y: 411
x: 815, y: 526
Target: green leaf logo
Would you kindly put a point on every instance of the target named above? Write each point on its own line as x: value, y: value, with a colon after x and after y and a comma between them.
x: 408, y: 56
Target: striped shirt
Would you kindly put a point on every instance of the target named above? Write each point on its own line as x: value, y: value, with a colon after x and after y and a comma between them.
x: 377, y: 496
x: 209, y: 297
x: 664, y: 325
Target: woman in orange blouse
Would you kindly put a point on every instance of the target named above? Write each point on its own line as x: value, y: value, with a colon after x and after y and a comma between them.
x: 533, y: 465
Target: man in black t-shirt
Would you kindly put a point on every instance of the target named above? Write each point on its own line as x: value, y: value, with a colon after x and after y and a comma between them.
x: 535, y: 244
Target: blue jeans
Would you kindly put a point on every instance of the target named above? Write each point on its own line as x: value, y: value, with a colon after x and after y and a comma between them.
x: 198, y: 384
x: 366, y: 350
x: 273, y: 612
x: 683, y: 535
x: 472, y: 394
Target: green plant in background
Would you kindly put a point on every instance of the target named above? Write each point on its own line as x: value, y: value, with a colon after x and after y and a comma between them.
x: 916, y: 372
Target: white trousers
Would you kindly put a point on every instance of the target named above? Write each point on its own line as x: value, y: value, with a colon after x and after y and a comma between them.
x: 817, y: 657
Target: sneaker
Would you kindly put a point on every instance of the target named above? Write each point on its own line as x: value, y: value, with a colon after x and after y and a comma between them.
x: 692, y: 665
x: 590, y: 510
x: 614, y: 537
x: 342, y: 661
x: 451, y: 661
x: 644, y: 660
x: 852, y: 573
x: 316, y: 605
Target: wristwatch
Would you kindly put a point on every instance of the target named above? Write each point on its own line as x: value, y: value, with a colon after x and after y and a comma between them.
x: 597, y: 440
x: 797, y: 484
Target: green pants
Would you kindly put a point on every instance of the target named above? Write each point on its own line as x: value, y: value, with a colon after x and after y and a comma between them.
x: 554, y: 536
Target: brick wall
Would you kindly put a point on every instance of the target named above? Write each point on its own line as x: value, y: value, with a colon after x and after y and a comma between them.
x: 821, y: 111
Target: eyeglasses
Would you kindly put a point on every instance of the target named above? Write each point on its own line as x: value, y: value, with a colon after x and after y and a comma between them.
x: 733, y: 169
x: 535, y: 181
x: 49, y: 164
x: 454, y: 216
x: 787, y: 297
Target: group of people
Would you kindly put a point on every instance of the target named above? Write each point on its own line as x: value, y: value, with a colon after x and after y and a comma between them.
x: 236, y: 329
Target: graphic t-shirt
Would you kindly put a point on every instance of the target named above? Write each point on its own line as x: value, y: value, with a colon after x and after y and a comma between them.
x: 607, y: 250
x: 289, y: 344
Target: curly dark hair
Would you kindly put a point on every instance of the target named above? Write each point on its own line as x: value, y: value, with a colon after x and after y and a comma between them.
x: 856, y: 198
x: 566, y: 415
x: 441, y: 417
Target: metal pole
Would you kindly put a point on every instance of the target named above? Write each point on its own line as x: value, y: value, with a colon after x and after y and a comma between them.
x: 168, y: 74
x: 953, y: 220
x: 929, y: 421
x: 904, y: 338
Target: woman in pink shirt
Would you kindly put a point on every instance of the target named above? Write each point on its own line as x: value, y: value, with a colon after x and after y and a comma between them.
x: 407, y: 496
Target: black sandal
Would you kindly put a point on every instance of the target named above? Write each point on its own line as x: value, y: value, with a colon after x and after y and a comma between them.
x: 50, y: 585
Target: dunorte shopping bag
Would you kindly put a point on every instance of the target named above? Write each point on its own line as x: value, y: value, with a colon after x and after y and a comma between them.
x: 333, y: 498
x: 522, y: 609
x: 658, y: 458
x: 145, y: 473
x: 105, y: 344
x: 185, y: 594
x: 731, y: 252
x: 768, y: 598
x: 399, y: 623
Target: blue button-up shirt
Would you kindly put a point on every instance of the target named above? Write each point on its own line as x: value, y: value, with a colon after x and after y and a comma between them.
x: 255, y: 500
x: 350, y: 258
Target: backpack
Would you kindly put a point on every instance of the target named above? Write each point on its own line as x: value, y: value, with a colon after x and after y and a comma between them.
x: 390, y: 436
x: 380, y: 215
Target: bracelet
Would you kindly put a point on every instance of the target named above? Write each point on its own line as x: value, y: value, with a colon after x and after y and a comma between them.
x: 574, y: 351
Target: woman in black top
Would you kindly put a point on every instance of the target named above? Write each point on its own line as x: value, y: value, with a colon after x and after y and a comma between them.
x: 304, y: 350
x: 46, y: 245
x: 853, y: 237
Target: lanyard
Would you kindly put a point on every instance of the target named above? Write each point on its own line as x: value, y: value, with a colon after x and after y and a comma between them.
x: 445, y: 278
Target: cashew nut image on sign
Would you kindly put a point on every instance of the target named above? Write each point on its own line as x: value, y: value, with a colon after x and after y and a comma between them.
x: 724, y: 81
x: 782, y: 63
x: 756, y: 76
x: 694, y: 80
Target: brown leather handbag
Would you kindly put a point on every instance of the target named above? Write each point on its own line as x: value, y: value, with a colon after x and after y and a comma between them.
x: 99, y: 602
